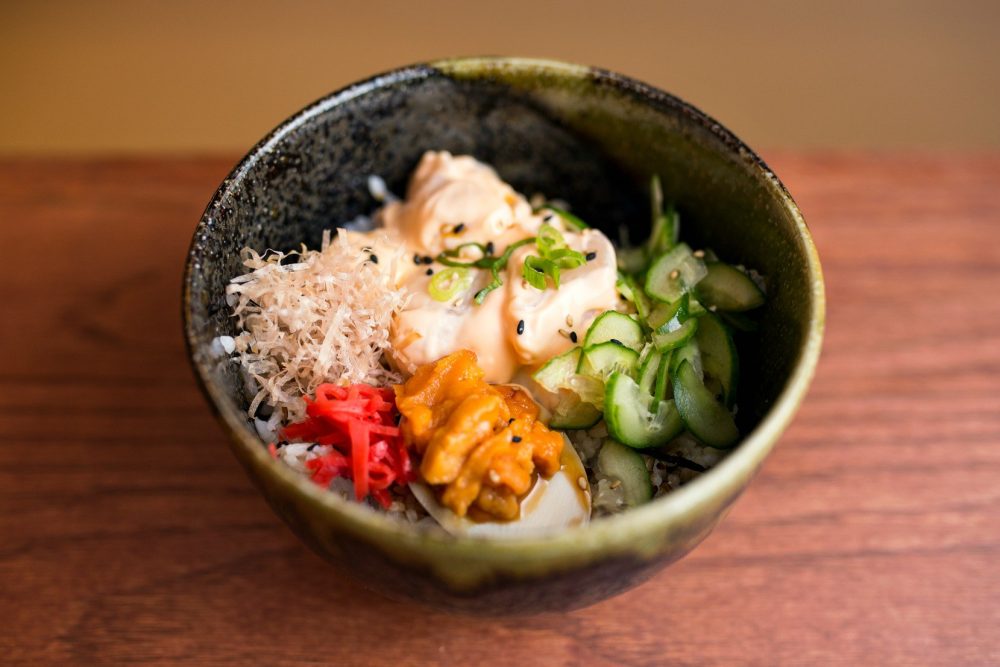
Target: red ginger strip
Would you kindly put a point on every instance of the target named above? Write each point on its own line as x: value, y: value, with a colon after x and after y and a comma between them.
x: 359, y: 424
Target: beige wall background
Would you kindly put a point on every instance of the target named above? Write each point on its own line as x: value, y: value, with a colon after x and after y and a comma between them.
x: 85, y: 77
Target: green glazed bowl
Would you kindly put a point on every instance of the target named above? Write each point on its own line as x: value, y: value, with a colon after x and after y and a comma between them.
x: 585, y: 135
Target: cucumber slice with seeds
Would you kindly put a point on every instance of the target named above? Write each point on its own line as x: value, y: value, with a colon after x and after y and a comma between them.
x: 718, y: 355
x: 678, y: 329
x: 674, y: 273
x: 727, y: 288
x: 664, y: 224
x: 649, y: 370
x: 662, y: 385
x: 662, y: 312
x: 632, y: 418
x: 603, y: 359
x: 557, y: 371
x: 614, y: 326
x: 626, y: 465
x: 643, y: 305
x: 691, y: 353
x: 667, y: 339
x: 705, y: 417
x: 573, y: 413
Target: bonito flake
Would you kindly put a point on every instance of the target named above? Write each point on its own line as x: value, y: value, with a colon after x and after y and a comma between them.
x: 324, y: 317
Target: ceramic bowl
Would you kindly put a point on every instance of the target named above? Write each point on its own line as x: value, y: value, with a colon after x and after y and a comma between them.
x: 584, y: 135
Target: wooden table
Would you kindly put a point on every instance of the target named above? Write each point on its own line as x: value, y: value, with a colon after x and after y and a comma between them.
x: 129, y: 533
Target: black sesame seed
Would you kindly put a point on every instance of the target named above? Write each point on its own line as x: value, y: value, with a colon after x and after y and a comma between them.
x: 591, y: 256
x: 548, y: 217
x: 490, y: 248
x: 572, y: 336
x: 520, y: 327
x: 459, y: 228
x: 615, y: 340
x: 366, y: 248
x: 430, y: 272
x: 428, y: 259
x: 373, y: 258
x: 510, y: 421
x: 417, y: 259
x: 516, y: 438
x: 311, y: 447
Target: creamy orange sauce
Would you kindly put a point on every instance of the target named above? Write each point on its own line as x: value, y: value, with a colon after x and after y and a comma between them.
x: 453, y: 200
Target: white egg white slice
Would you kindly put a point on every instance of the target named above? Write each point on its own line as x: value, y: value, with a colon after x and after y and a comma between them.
x: 552, y: 505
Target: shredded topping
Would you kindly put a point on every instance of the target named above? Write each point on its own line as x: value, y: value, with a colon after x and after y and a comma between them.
x: 322, y: 317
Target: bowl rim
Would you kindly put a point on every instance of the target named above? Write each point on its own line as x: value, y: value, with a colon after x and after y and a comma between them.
x: 619, y: 531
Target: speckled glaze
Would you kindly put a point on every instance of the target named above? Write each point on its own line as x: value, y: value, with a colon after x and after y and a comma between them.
x: 581, y: 134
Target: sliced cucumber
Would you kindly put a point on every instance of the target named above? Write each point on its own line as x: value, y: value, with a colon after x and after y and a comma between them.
x: 662, y: 384
x: 705, y: 417
x: 557, y: 371
x: 691, y: 353
x: 666, y: 339
x: 573, y: 413
x: 603, y: 359
x: 630, y: 418
x: 589, y: 389
x: 678, y: 329
x: 632, y: 260
x: 718, y: 354
x: 642, y: 303
x: 614, y: 326
x: 674, y: 273
x: 626, y: 465
x: 739, y: 321
x: 728, y: 288
x: 648, y: 369
x: 625, y: 287
x: 665, y: 232
x: 695, y: 309
x: 665, y: 225
x: 662, y: 312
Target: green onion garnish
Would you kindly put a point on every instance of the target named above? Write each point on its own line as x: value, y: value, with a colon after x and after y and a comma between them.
x: 499, y: 265
x: 448, y: 283
x: 484, y: 262
x: 568, y: 218
x: 553, y: 256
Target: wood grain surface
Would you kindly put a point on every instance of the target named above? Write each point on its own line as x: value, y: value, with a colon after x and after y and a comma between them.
x: 128, y: 533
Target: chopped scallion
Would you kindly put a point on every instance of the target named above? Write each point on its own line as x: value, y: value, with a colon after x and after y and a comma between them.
x: 449, y: 282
